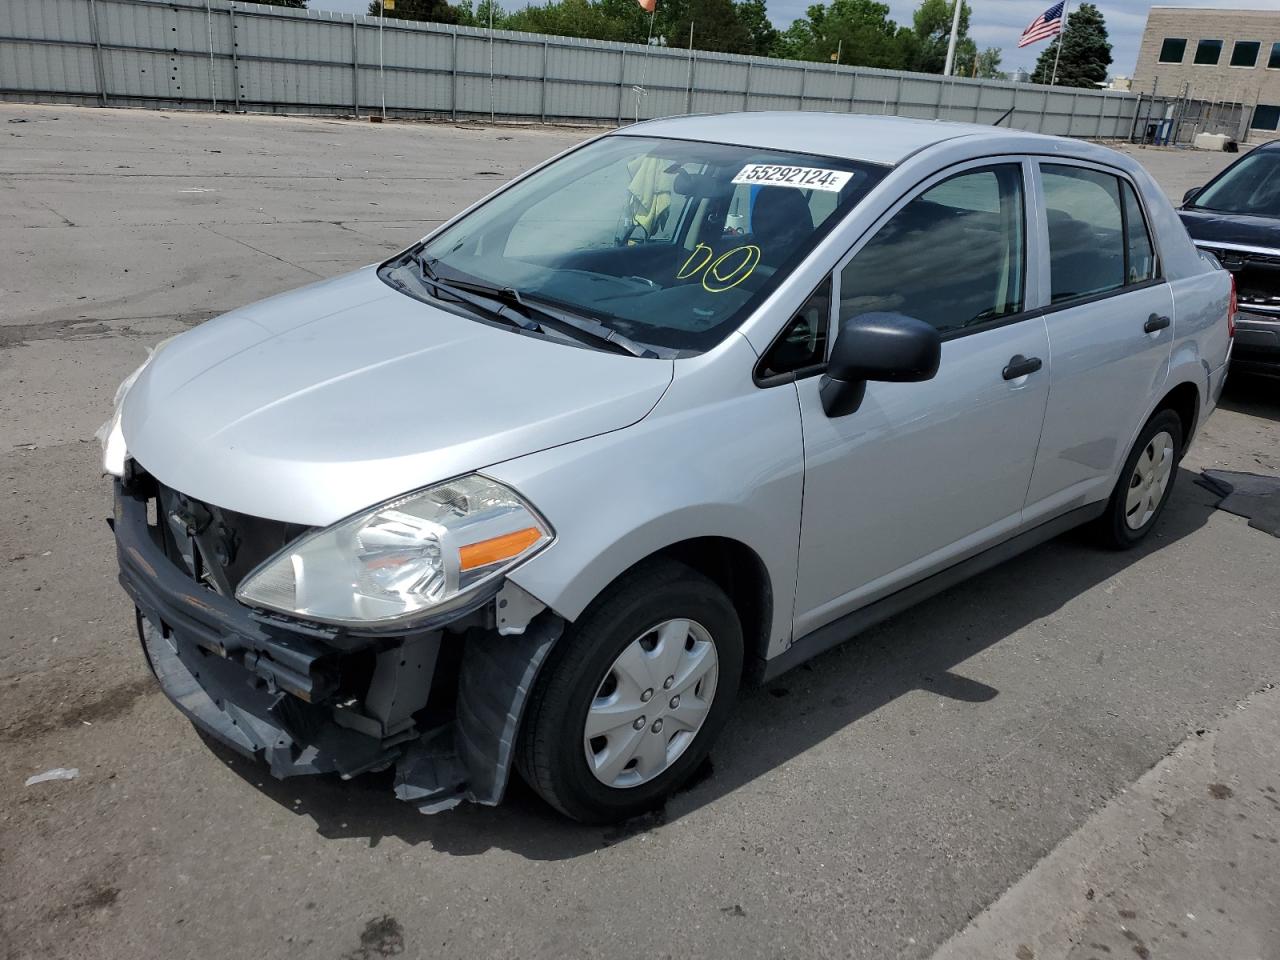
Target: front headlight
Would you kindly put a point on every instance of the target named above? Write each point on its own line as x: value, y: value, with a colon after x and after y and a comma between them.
x: 406, y: 559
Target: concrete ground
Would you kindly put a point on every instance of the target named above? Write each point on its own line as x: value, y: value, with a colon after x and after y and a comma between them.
x: 1011, y: 746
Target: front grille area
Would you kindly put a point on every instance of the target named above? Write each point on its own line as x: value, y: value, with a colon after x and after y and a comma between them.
x: 1257, y: 274
x: 214, y: 546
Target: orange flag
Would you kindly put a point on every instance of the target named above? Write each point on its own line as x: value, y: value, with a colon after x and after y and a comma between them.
x: 647, y: 6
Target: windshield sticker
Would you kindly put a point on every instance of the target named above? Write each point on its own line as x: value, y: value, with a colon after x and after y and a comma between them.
x: 803, y: 178
x: 726, y: 271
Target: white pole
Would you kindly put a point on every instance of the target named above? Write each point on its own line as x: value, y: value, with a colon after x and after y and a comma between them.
x: 951, y: 45
x: 491, y: 92
x: 1061, y: 33
x: 382, y: 79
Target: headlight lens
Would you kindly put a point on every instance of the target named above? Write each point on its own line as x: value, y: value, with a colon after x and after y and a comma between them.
x: 405, y: 559
x: 109, y: 434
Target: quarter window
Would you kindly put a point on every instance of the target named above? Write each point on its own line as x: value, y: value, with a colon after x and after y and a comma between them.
x: 1173, y: 50
x: 1140, y: 260
x: 1245, y: 53
x: 953, y: 256
x: 804, y: 343
x: 1208, y: 52
x: 1086, y: 232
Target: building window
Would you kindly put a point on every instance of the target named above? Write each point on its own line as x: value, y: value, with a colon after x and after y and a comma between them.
x: 1266, y: 116
x: 1173, y: 50
x: 1245, y: 53
x: 1274, y: 62
x: 1208, y: 52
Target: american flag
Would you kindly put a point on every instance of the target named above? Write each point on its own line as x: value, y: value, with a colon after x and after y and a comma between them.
x: 1048, y: 24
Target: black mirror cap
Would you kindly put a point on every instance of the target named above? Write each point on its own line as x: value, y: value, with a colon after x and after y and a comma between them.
x: 1190, y: 195
x: 888, y: 347
x: 885, y: 346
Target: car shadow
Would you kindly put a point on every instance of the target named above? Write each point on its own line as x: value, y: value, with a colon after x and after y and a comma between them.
x: 1253, y: 395
x: 917, y: 650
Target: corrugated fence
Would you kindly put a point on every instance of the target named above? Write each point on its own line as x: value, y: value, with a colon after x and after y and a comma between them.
x: 235, y: 56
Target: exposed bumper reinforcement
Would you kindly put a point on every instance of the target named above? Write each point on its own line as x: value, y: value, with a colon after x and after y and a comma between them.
x: 283, y: 692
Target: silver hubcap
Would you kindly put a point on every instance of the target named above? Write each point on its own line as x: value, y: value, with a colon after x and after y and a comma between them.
x: 1150, y: 478
x: 651, y: 704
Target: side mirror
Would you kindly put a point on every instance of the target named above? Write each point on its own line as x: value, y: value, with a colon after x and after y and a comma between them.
x: 877, y: 346
x: 1191, y: 194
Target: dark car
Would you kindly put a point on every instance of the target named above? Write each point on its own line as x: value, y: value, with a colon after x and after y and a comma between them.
x: 1236, y: 217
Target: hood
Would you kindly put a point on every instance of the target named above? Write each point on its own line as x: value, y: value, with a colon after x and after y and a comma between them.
x: 1208, y: 227
x: 315, y: 404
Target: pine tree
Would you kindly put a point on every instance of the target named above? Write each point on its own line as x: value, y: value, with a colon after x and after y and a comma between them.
x: 1086, y: 51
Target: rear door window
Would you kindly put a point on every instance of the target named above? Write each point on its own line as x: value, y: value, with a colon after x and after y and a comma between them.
x: 1086, y: 231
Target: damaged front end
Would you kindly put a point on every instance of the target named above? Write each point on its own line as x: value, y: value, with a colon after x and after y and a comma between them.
x: 441, y: 702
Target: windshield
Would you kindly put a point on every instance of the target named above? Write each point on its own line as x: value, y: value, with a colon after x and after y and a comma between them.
x: 668, y: 243
x: 1252, y: 187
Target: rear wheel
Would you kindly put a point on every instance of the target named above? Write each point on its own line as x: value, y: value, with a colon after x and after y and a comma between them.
x: 1141, y: 493
x: 634, y: 695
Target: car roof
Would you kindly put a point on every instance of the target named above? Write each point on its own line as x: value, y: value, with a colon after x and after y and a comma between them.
x: 870, y: 138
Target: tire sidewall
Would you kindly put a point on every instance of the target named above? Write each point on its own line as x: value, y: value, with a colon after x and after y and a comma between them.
x: 592, y: 652
x: 1120, y: 532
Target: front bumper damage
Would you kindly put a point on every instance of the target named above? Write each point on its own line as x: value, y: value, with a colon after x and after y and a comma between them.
x: 441, y: 703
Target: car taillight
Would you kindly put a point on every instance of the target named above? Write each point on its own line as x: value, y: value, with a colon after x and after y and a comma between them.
x: 1231, y: 310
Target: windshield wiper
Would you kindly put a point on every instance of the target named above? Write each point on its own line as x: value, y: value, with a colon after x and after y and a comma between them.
x: 546, y: 315
x: 461, y: 290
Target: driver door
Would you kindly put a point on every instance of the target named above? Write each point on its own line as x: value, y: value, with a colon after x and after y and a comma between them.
x: 923, y: 474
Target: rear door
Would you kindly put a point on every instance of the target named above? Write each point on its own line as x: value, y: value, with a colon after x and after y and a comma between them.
x: 1110, y: 324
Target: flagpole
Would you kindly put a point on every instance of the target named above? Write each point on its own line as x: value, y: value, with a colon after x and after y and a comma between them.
x: 951, y: 44
x: 1058, y: 53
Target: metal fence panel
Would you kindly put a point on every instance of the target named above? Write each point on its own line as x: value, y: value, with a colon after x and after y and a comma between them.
x: 207, y: 53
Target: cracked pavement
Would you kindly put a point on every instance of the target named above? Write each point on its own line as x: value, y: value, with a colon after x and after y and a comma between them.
x: 866, y: 806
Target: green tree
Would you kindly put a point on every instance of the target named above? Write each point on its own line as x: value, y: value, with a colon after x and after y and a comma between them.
x: 1086, y: 51
x: 859, y: 30
x: 932, y: 22
x: 435, y: 11
x: 755, y: 19
x: 715, y: 26
x: 987, y: 65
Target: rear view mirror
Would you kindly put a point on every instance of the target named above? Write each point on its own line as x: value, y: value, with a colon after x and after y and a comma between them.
x: 877, y: 346
x: 1191, y: 194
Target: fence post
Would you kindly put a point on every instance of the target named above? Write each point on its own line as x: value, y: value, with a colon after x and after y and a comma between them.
x: 688, y: 101
x: 1102, y: 112
x: 544, y: 81
x: 1044, y: 108
x: 746, y: 89
x: 977, y: 107
x: 235, y: 55
x: 97, y: 53
x: 804, y: 83
x: 453, y: 76
x: 853, y: 89
x: 213, y: 78
x: 622, y: 81
x: 355, y: 68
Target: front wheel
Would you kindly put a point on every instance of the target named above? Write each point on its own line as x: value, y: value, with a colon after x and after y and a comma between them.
x: 1141, y: 493
x: 634, y: 695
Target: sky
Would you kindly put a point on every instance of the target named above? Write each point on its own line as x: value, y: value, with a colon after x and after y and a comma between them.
x: 994, y: 23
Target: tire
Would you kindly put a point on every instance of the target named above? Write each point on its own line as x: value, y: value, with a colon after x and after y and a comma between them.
x: 1116, y: 528
x: 584, y: 680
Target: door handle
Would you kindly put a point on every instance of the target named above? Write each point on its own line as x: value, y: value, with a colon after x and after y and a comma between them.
x: 1020, y: 366
x: 1155, y: 322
